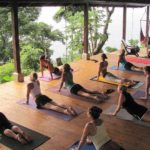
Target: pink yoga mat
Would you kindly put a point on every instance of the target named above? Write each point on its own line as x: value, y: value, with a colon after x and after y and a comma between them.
x: 50, y: 112
x: 139, y: 60
x: 48, y: 77
x: 139, y: 94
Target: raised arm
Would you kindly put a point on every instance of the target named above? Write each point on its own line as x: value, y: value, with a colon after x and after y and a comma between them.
x: 120, y: 101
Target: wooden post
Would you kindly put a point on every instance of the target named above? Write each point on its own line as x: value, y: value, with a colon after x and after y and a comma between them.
x: 16, y: 50
x: 85, y: 54
x: 124, y: 22
x: 147, y: 29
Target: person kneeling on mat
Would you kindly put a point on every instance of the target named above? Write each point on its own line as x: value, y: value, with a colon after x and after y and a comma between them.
x: 77, y: 89
x: 13, y: 131
x: 126, y: 101
x: 95, y: 132
x: 44, y: 102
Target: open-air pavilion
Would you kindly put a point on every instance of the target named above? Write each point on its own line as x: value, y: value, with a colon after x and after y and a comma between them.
x: 64, y: 133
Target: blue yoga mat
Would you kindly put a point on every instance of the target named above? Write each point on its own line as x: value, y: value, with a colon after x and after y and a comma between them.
x: 139, y: 94
x: 123, y: 69
x: 50, y: 112
x: 85, y: 147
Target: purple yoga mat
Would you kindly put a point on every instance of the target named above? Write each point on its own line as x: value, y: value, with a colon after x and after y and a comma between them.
x: 50, y: 112
x: 66, y: 92
x: 139, y: 94
x: 48, y: 77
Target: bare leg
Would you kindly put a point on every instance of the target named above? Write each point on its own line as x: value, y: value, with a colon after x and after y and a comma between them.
x: 146, y: 116
x: 16, y: 129
x: 15, y: 136
x: 135, y: 68
x: 63, y: 110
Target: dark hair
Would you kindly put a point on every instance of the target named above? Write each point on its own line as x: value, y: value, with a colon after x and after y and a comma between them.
x: 147, y: 69
x: 95, y: 112
x: 104, y: 56
x: 42, y: 57
x: 34, y: 76
x: 123, y: 88
x: 66, y: 68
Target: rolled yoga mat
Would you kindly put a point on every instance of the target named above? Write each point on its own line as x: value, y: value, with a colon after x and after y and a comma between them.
x: 38, y: 139
x: 50, y: 112
x: 123, y: 69
x: 85, y: 147
x: 139, y: 94
x: 101, y: 79
x: 124, y: 115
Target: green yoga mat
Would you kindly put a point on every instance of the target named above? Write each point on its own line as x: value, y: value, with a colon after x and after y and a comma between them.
x: 38, y: 139
x: 124, y: 115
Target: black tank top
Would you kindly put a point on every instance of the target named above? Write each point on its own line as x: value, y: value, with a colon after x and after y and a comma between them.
x: 132, y: 107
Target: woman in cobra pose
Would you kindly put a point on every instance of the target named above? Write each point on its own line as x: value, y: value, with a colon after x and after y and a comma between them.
x: 77, y: 89
x: 44, y: 63
x: 108, y: 75
x: 44, y: 102
x: 127, y: 65
x: 126, y: 101
x: 95, y: 132
x: 13, y: 131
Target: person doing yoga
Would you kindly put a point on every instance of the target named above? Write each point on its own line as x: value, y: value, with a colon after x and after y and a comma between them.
x: 13, y: 131
x: 44, y: 102
x: 147, y: 82
x: 126, y: 101
x: 77, y: 89
x: 108, y: 75
x: 95, y: 132
x: 127, y: 65
x: 44, y: 63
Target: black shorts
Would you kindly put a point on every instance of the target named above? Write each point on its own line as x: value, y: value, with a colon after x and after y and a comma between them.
x: 42, y: 100
x: 57, y: 71
x: 128, y: 66
x: 75, y: 88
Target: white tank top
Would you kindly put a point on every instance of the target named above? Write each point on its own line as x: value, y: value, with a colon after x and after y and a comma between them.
x: 36, y: 89
x: 100, y: 138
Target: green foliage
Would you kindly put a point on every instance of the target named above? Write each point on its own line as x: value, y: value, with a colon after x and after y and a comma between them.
x: 30, y: 58
x: 110, y: 49
x: 133, y: 42
x: 6, y: 72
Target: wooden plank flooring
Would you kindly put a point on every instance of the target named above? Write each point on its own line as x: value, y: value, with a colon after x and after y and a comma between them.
x: 63, y: 133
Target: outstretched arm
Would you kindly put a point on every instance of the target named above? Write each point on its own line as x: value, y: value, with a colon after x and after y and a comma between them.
x: 118, y: 62
x: 41, y: 68
x: 62, y: 81
x: 28, y: 92
x: 146, y: 88
x: 99, y: 71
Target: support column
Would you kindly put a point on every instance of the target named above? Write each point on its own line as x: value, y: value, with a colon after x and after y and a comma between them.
x: 16, y: 49
x: 124, y: 22
x: 85, y: 54
x: 147, y: 29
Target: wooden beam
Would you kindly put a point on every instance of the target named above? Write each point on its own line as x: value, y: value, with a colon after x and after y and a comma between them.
x: 124, y: 22
x: 15, y: 32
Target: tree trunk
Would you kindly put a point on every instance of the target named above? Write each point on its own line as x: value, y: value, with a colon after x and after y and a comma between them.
x: 101, y: 43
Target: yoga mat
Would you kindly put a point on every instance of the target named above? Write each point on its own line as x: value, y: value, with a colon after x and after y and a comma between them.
x: 50, y: 112
x: 139, y: 94
x: 138, y: 60
x: 85, y: 146
x: 66, y: 92
x: 123, y: 69
x: 124, y: 115
x: 38, y: 139
x: 48, y: 77
x: 135, y: 86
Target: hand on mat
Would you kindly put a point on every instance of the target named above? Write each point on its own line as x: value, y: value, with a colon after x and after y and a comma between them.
x: 112, y: 114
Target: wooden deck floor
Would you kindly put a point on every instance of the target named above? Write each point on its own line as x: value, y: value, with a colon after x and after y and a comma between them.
x: 63, y: 133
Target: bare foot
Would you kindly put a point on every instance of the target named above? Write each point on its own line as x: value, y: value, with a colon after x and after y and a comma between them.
x: 21, y: 139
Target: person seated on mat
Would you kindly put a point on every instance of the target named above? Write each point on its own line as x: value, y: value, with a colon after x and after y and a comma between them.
x: 13, y: 131
x: 44, y: 102
x: 126, y: 101
x: 44, y: 63
x: 95, y: 132
x: 77, y: 89
x: 147, y: 87
x: 127, y: 65
x: 108, y: 75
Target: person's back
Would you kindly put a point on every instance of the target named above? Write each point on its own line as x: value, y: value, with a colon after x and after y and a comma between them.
x: 36, y: 89
x: 68, y: 79
x: 104, y: 65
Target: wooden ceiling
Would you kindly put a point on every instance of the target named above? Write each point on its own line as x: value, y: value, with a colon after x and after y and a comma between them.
x: 117, y: 3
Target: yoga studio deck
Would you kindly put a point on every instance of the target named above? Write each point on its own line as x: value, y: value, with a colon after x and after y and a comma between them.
x: 64, y: 133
